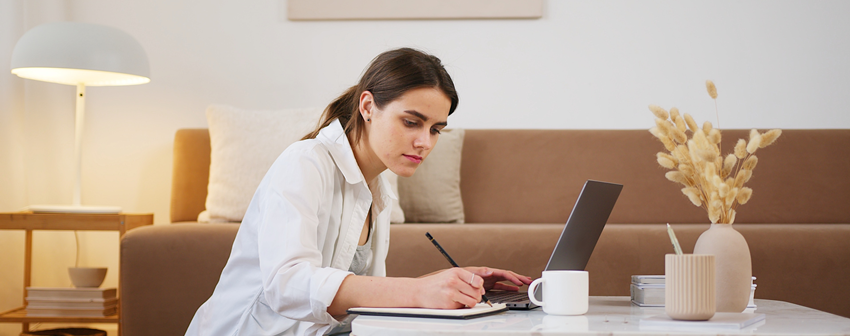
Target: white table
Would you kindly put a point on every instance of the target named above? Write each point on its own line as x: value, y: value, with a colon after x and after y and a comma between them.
x: 611, y: 315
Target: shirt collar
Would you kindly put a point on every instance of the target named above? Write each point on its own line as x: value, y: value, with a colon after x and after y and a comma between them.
x: 334, y: 138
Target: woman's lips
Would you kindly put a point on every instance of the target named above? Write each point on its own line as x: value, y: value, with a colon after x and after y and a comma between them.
x: 414, y: 158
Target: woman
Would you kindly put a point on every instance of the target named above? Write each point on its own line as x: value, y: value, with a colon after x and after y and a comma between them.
x: 314, y: 239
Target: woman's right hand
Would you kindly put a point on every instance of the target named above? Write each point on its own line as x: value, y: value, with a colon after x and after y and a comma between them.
x: 450, y: 289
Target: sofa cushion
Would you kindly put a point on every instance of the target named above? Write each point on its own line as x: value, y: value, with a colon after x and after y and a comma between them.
x: 244, y: 144
x: 432, y: 194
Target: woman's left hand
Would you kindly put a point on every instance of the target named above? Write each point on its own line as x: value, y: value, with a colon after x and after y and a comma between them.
x: 493, y: 276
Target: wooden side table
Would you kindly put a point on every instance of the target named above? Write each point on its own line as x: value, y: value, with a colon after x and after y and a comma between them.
x: 29, y: 222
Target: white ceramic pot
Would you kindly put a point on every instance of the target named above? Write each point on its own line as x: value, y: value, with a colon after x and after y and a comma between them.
x: 733, y: 266
x: 87, y: 277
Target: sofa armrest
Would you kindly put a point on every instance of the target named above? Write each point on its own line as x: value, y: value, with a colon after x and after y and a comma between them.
x: 167, y: 272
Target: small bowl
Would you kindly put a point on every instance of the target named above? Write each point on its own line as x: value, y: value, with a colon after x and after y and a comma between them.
x: 87, y: 277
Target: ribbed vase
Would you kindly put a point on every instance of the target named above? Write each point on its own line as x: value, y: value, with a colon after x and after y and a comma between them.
x: 734, y: 268
x: 689, y: 289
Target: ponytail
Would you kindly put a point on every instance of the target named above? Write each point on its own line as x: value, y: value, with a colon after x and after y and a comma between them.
x: 342, y: 108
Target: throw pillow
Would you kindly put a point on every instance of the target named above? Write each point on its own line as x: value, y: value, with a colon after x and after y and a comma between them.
x: 432, y: 194
x: 244, y: 144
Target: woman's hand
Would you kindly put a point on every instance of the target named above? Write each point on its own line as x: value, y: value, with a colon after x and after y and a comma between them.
x: 450, y: 289
x: 493, y: 276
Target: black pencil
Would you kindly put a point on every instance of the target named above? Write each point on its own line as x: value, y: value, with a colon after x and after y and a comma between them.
x: 434, y: 241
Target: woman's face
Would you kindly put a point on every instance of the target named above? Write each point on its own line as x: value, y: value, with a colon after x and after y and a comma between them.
x: 404, y: 131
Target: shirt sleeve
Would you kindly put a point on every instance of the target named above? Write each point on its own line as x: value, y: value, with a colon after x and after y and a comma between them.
x: 295, y: 285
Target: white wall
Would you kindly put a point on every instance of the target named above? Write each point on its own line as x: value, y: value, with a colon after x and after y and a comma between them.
x: 585, y: 64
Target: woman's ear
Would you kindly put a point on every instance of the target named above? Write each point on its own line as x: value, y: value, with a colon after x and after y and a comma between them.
x: 367, y: 104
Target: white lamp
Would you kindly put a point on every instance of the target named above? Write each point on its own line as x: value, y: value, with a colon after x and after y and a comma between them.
x: 80, y: 54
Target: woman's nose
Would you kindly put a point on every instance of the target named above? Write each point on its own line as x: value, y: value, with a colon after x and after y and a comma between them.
x: 423, y: 141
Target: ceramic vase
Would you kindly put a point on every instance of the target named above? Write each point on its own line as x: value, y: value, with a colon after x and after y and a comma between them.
x: 733, y: 266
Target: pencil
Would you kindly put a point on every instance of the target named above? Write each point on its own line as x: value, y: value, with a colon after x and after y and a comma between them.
x: 434, y: 241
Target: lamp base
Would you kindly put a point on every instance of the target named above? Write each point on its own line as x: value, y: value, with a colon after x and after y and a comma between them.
x: 87, y: 209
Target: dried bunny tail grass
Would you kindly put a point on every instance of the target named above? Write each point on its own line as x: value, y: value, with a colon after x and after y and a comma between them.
x: 712, y: 90
x: 664, y: 126
x: 678, y: 135
x: 693, y: 195
x: 723, y: 190
x: 714, y: 136
x: 753, y: 133
x: 707, y: 155
x: 751, y: 162
x: 681, y: 153
x: 743, y: 177
x: 769, y: 137
x: 674, y: 112
x: 732, y: 214
x: 701, y: 140
x: 668, y: 144
x: 728, y: 165
x: 709, y: 171
x: 706, y: 127
x: 741, y: 149
x: 691, y: 123
x: 744, y: 195
x: 655, y: 132
x: 754, y: 144
x: 680, y: 123
x: 714, y: 198
x: 669, y: 129
x: 717, y: 182
x: 677, y: 177
x: 663, y: 138
x: 718, y: 162
x: 659, y: 112
x: 666, y: 160
x: 713, y: 213
x: 730, y: 197
x: 686, y: 169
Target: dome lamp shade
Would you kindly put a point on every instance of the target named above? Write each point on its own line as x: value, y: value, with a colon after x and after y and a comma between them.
x: 75, y: 53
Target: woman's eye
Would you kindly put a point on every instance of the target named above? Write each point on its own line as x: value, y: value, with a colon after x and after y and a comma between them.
x: 435, y: 131
x: 409, y: 123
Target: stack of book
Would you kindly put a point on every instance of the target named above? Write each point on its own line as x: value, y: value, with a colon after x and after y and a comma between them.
x: 79, y: 302
x: 648, y: 291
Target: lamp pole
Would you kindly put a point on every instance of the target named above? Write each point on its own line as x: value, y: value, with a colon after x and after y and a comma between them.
x: 80, y: 115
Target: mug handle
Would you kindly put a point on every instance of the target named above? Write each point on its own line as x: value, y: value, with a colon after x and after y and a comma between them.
x: 531, y: 288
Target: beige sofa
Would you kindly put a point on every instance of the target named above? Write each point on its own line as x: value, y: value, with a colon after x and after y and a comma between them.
x: 518, y: 188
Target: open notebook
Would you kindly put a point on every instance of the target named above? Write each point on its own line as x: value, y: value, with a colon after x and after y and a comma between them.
x: 481, y: 309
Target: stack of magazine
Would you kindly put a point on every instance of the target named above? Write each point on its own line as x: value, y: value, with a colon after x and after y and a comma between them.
x: 648, y: 291
x: 78, y: 302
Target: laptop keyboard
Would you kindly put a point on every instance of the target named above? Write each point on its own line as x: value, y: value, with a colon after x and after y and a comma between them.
x: 507, y: 296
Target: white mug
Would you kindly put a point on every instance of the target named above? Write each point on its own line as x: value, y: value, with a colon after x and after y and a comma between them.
x: 565, y: 293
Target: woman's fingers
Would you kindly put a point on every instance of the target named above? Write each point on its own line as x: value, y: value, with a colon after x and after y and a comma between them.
x: 501, y: 286
x: 469, y: 285
x: 462, y: 287
x: 512, y: 277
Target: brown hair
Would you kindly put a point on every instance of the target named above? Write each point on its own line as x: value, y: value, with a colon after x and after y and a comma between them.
x: 389, y: 76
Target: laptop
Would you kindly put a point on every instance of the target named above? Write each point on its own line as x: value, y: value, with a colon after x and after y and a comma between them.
x: 578, y: 238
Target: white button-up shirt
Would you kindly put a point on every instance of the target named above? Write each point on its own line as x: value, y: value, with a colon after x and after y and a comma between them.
x: 296, y: 243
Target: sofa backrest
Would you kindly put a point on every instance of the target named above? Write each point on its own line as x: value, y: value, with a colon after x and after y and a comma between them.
x: 534, y: 176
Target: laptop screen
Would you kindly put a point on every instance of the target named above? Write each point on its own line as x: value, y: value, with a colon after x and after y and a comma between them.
x: 584, y: 226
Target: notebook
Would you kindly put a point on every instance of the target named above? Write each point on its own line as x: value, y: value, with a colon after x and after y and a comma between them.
x: 481, y: 309
x: 578, y: 238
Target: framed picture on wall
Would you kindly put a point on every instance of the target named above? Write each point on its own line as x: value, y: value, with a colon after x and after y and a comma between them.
x: 412, y: 9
